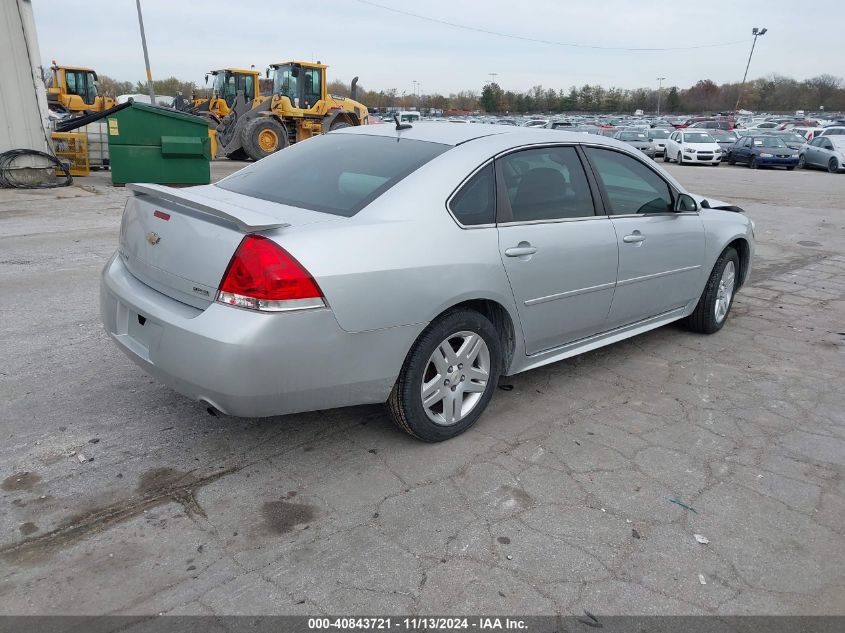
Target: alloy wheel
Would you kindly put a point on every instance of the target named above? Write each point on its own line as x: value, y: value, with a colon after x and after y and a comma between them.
x: 725, y: 292
x: 455, y: 378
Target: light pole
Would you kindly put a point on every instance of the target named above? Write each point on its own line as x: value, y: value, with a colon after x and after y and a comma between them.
x: 150, y: 86
x: 493, y: 77
x: 660, y: 81
x: 756, y: 33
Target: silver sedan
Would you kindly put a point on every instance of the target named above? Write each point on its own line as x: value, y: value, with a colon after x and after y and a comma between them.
x: 827, y: 152
x: 412, y: 266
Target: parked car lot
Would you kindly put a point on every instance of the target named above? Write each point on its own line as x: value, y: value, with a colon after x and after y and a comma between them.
x: 121, y: 496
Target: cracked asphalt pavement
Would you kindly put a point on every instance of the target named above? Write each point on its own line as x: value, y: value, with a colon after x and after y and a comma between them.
x: 582, y: 487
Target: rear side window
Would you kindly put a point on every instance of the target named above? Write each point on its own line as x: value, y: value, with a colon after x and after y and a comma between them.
x: 475, y: 202
x: 546, y: 184
x: 335, y: 173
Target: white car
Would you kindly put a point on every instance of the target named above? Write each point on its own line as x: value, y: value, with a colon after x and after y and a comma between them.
x: 833, y: 130
x: 692, y: 146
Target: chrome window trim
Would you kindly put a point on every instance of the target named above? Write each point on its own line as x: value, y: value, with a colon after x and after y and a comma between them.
x: 555, y: 221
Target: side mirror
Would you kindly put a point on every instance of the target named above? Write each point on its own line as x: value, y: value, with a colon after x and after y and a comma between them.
x: 267, y: 73
x: 685, y: 203
x: 206, y: 80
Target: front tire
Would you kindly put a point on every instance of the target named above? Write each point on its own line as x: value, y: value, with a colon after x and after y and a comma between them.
x: 448, y: 378
x: 833, y: 165
x: 263, y: 136
x: 753, y: 164
x: 802, y: 162
x: 666, y: 158
x: 711, y: 313
x: 680, y: 158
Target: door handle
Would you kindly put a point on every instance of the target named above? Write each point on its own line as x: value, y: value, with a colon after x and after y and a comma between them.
x: 522, y: 250
x: 634, y: 238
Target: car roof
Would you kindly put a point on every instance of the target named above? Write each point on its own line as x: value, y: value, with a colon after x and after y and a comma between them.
x: 458, y: 134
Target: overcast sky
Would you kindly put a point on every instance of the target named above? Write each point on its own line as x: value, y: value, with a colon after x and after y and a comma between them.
x: 390, y: 50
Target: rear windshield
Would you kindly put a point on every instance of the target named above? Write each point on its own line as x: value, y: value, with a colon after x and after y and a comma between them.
x: 335, y: 173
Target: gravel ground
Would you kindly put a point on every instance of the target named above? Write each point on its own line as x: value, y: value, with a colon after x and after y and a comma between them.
x: 558, y: 500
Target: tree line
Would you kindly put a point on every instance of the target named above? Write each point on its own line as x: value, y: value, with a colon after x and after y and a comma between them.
x: 773, y: 93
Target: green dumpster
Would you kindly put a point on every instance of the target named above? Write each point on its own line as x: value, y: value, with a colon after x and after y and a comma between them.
x: 158, y: 145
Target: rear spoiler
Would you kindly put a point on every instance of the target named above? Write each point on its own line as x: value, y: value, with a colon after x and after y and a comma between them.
x: 246, y: 220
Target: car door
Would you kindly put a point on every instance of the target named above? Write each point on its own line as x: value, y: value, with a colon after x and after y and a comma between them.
x: 824, y: 151
x: 559, y: 254
x: 660, y: 250
x: 811, y: 155
x: 671, y: 149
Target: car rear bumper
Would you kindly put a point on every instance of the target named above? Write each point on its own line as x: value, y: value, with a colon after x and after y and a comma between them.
x: 247, y: 363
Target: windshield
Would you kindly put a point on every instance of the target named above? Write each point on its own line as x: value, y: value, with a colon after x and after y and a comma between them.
x: 698, y: 137
x: 769, y: 141
x: 659, y: 133
x: 224, y: 84
x: 286, y: 82
x: 632, y: 136
x: 793, y: 138
x: 334, y: 173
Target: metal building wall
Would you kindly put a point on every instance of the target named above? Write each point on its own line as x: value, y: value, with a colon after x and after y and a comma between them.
x: 23, y: 98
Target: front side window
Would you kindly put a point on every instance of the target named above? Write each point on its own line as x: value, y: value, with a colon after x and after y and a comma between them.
x: 546, y: 184
x: 475, y: 201
x: 631, y: 187
x: 333, y: 173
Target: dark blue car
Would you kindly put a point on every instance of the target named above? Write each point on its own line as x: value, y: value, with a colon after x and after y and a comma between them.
x: 762, y: 151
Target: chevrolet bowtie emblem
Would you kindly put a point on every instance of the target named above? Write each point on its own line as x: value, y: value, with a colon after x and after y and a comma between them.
x: 153, y: 238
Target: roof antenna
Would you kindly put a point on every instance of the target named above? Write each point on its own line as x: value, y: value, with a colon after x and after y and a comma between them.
x: 401, y: 126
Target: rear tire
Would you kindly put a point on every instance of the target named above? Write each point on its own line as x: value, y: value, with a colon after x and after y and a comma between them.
x: 263, y: 136
x: 710, y: 315
x: 427, y: 368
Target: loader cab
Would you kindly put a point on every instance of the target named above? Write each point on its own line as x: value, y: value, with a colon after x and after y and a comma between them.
x: 75, y: 89
x: 303, y: 83
x: 228, y: 82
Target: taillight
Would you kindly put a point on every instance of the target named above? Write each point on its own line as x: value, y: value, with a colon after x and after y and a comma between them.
x: 263, y: 276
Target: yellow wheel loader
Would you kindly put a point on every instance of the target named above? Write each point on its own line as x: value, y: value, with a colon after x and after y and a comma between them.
x: 225, y: 89
x: 299, y: 108
x: 74, y: 89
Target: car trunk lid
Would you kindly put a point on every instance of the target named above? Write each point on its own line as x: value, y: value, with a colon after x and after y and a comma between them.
x: 180, y: 242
